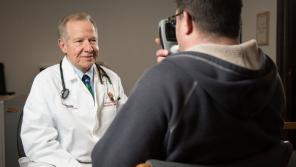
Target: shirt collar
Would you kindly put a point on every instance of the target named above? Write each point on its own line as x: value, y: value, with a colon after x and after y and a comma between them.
x: 80, y: 74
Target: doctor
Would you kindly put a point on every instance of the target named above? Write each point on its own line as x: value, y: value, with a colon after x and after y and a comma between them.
x: 70, y: 104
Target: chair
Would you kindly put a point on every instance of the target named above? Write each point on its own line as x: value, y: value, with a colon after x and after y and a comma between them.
x: 277, y: 156
x: 289, y: 125
x: 20, y: 148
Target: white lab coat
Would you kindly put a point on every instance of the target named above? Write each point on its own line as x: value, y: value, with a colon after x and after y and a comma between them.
x: 63, y: 132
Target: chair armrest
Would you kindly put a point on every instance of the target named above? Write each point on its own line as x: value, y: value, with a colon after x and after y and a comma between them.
x: 290, y: 125
x: 158, y: 163
x: 143, y: 165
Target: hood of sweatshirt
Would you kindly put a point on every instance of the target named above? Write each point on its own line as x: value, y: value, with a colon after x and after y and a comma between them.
x: 239, y: 79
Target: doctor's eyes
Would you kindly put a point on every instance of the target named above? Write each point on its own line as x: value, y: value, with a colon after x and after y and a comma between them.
x: 93, y: 41
x: 82, y: 41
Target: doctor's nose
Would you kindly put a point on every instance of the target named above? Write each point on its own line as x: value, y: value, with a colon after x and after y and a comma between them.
x: 88, y: 46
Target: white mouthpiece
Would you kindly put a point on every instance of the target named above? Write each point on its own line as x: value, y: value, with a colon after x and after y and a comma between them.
x: 174, y: 49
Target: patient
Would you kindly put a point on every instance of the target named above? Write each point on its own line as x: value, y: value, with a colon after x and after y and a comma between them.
x: 215, y: 101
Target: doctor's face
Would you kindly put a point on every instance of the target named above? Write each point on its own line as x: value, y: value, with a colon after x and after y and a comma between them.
x: 80, y: 44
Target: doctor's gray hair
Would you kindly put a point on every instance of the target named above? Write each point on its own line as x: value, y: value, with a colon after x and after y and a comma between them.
x: 74, y: 17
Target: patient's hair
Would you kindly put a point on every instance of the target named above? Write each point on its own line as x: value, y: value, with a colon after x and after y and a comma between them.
x: 220, y: 17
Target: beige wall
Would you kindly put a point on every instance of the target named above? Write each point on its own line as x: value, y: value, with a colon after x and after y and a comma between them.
x: 249, y: 13
x: 126, y: 35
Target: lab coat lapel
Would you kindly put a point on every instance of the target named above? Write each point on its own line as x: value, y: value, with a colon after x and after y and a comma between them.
x: 71, y: 80
x: 99, y: 98
x: 99, y: 91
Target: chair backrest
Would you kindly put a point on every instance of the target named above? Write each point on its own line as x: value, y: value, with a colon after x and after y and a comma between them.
x: 20, y: 148
x: 278, y: 156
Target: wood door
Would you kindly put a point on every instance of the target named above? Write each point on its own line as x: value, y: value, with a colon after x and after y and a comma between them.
x: 286, y: 58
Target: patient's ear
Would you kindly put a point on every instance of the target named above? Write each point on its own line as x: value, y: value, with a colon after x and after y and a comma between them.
x: 187, y: 23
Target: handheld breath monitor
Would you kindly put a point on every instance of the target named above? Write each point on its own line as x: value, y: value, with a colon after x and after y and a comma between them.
x: 167, y: 35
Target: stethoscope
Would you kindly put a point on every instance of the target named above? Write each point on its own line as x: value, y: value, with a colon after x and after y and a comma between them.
x: 102, y: 73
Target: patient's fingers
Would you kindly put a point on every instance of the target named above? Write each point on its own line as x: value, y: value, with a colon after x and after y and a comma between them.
x: 160, y: 53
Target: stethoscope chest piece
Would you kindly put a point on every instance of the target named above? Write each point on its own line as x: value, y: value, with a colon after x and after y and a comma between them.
x: 65, y: 93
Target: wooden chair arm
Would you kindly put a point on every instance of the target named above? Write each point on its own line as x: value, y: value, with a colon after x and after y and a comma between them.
x: 290, y: 125
x: 143, y: 165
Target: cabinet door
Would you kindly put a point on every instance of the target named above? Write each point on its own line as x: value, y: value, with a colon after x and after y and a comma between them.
x: 13, y: 108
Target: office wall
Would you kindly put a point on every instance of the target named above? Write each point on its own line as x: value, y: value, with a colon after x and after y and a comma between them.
x: 250, y: 10
x: 126, y: 35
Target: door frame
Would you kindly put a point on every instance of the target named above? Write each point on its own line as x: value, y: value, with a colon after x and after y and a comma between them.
x: 285, y: 48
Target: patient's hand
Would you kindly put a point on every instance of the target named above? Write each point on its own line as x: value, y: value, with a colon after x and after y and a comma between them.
x: 160, y: 53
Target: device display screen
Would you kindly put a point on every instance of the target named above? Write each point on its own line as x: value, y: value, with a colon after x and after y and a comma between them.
x: 170, y: 32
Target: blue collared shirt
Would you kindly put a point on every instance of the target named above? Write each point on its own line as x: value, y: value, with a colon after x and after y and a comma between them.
x: 90, y: 73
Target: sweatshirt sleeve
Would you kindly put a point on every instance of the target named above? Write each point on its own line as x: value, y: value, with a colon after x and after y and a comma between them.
x: 139, y: 129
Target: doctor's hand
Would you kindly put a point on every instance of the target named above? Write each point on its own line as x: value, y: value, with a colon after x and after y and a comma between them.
x: 160, y: 53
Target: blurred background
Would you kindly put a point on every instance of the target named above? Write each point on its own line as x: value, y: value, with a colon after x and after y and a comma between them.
x: 126, y: 29
x: 28, y: 34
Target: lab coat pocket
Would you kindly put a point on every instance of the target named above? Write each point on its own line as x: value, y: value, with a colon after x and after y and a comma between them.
x: 110, y: 102
x: 109, y: 110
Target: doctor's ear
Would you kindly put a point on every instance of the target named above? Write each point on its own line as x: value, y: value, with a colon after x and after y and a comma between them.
x: 62, y: 45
